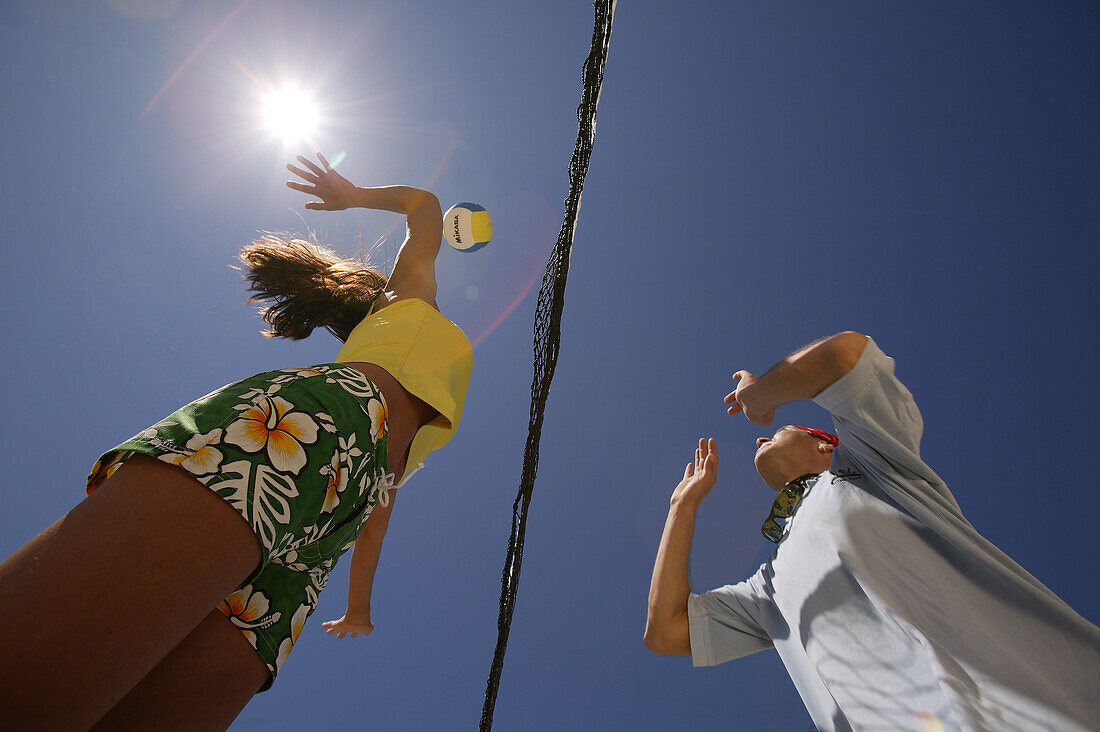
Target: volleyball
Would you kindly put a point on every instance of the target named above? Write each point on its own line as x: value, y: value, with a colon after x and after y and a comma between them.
x: 467, y: 226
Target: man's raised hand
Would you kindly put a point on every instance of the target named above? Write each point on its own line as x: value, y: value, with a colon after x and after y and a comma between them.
x: 700, y: 475
x: 741, y: 400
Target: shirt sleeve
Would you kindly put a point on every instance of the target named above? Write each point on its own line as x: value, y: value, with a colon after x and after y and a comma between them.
x: 880, y: 428
x: 723, y: 625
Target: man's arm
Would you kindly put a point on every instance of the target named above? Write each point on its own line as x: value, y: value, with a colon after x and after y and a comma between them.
x: 802, y: 375
x: 666, y: 628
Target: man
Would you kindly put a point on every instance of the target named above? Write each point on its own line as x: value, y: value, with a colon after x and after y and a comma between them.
x: 886, y: 606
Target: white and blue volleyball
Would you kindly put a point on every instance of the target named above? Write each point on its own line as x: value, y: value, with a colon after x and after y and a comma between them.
x: 467, y: 226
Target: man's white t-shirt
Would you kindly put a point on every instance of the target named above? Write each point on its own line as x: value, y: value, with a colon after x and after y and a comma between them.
x: 886, y: 606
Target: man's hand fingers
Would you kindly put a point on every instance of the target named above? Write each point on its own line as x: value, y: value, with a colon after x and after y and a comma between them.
x: 730, y: 398
x: 744, y: 376
x: 735, y: 409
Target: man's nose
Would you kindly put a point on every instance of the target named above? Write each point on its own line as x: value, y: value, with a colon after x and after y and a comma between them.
x: 761, y: 440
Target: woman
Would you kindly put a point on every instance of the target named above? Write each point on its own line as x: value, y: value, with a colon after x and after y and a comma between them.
x: 152, y: 604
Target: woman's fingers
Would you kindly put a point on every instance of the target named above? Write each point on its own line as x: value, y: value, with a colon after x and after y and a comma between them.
x: 323, y: 160
x: 301, y: 173
x: 301, y: 187
x: 306, y: 162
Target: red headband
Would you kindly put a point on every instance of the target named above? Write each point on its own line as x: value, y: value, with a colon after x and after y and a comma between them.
x: 820, y: 434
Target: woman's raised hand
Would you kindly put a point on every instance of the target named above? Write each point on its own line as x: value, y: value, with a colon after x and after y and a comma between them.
x: 335, y: 191
x: 355, y: 626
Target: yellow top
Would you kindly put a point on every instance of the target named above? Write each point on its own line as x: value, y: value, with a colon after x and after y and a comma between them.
x: 428, y: 355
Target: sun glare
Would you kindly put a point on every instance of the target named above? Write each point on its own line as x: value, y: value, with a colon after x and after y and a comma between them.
x: 290, y: 114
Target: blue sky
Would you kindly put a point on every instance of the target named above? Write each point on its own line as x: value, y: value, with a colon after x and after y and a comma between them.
x: 763, y: 174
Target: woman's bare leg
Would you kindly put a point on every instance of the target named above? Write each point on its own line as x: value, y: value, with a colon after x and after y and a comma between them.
x: 203, y: 684
x: 94, y: 602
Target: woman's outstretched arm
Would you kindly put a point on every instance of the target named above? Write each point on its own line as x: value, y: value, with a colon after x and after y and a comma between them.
x: 364, y: 563
x: 414, y: 271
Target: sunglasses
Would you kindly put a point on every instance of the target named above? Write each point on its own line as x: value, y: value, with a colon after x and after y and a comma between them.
x: 784, y: 506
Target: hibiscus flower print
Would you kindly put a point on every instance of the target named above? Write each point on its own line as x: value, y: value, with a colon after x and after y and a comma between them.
x: 104, y: 469
x: 203, y: 458
x: 297, y: 622
x: 336, y: 473
x: 304, y: 372
x: 247, y: 608
x: 379, y: 426
x: 271, y: 423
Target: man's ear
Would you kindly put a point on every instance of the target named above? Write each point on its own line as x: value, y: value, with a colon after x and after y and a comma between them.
x: 826, y: 448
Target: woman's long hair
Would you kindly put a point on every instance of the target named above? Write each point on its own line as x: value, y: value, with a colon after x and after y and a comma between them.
x: 304, y: 286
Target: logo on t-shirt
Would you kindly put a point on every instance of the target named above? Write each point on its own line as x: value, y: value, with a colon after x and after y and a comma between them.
x: 846, y: 474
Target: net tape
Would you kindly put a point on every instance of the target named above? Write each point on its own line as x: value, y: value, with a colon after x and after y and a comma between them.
x: 548, y: 312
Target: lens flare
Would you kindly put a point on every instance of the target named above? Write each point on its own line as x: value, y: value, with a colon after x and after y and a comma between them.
x: 929, y: 722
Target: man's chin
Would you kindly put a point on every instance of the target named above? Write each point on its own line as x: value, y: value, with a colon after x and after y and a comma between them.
x: 760, y: 465
x: 764, y: 467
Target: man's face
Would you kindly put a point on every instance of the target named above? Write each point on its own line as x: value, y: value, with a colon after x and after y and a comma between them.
x: 789, y: 450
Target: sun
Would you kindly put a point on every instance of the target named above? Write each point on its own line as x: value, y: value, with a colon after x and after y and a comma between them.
x: 290, y: 114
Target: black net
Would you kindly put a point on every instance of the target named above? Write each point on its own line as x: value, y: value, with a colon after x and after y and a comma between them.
x: 547, y: 338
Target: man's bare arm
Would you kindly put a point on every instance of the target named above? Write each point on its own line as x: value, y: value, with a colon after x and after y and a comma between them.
x: 802, y: 375
x: 666, y: 628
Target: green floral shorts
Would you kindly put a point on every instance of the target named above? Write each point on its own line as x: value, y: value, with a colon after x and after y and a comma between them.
x: 301, y: 455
